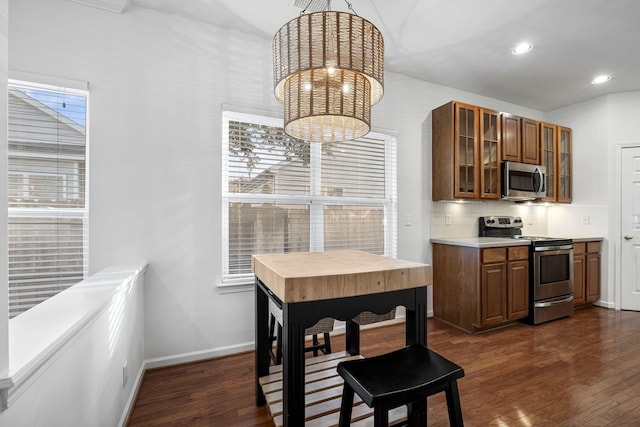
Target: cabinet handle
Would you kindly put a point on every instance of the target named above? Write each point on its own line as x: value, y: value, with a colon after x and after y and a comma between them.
x: 628, y: 237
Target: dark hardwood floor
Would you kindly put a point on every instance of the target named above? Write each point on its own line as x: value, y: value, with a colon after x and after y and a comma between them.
x: 578, y: 371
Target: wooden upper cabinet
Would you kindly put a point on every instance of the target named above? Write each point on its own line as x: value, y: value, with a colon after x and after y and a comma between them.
x: 564, y: 159
x: 530, y: 142
x: 469, y: 144
x: 455, y: 152
x: 556, y: 157
x: 549, y: 143
x: 520, y: 139
x: 490, y: 176
x: 511, y: 138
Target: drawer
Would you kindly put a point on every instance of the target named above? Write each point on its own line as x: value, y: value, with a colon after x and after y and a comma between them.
x: 518, y: 252
x: 593, y: 247
x: 494, y: 255
x: 579, y: 248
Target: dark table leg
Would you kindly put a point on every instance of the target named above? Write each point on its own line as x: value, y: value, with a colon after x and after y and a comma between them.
x: 352, y: 337
x: 293, y: 366
x: 262, y: 340
x: 416, y: 319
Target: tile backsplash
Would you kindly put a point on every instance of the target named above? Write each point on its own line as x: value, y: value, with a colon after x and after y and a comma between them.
x: 460, y: 219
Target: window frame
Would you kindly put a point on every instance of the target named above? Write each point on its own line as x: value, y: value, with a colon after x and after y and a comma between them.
x: 71, y: 189
x: 315, y: 201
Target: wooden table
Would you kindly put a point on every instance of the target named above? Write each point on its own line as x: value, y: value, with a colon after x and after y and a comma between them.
x: 309, y: 286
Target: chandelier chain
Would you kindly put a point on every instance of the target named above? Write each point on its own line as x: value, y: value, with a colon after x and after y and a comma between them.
x: 306, y: 7
x: 350, y: 6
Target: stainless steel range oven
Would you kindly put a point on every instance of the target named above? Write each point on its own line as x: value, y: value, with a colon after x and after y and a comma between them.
x: 550, y: 268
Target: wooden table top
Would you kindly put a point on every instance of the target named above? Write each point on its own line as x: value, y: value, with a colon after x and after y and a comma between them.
x: 312, y: 276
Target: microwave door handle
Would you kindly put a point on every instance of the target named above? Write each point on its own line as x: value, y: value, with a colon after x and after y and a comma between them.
x: 538, y: 173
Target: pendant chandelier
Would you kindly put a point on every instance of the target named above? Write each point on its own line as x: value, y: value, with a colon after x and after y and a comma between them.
x: 328, y: 72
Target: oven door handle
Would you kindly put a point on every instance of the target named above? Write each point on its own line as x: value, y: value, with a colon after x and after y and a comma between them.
x: 553, y: 248
x: 554, y: 302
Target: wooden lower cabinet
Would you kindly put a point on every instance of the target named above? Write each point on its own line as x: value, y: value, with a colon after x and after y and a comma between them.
x: 493, y: 294
x: 476, y: 289
x: 517, y: 289
x: 586, y: 272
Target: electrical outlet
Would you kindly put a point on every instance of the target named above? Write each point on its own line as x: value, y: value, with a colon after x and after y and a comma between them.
x: 586, y: 219
x: 125, y: 374
x: 447, y: 220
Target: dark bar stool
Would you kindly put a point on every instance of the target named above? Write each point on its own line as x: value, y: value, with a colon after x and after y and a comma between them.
x: 405, y: 376
x: 324, y: 326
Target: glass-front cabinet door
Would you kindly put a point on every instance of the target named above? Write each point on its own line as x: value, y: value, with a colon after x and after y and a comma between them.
x: 565, y: 169
x: 466, y: 151
x: 549, y: 140
x: 490, y: 154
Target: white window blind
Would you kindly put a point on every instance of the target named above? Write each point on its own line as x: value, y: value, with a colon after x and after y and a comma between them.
x: 285, y: 195
x: 48, y: 215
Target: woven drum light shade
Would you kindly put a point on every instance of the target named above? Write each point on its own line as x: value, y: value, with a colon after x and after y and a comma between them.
x: 328, y: 72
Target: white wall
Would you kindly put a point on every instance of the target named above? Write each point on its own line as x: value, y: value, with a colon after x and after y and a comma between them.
x: 4, y: 289
x: 81, y: 383
x: 158, y: 83
x: 590, y: 124
x: 157, y: 87
x: 406, y: 107
x: 599, y: 127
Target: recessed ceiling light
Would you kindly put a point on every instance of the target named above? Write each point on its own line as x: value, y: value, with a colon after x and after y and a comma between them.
x: 600, y: 79
x: 522, y: 48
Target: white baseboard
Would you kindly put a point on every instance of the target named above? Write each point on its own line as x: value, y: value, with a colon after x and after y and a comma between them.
x: 198, y: 355
x: 605, y: 304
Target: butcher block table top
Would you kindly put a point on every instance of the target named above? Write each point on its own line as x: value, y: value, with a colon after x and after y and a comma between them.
x: 313, y: 276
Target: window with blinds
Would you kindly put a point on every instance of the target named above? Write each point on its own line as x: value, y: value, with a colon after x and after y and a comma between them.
x: 282, y: 195
x: 47, y: 191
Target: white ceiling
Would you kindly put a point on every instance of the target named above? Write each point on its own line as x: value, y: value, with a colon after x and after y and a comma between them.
x: 466, y: 44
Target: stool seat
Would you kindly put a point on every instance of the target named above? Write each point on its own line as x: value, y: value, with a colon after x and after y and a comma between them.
x: 401, y: 377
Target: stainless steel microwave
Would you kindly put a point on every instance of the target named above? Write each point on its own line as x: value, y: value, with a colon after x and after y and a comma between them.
x: 521, y: 181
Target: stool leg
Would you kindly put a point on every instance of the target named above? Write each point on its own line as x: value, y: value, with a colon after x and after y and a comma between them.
x: 380, y: 416
x: 316, y: 343
x: 272, y: 337
x: 346, y: 406
x: 417, y: 411
x: 327, y: 343
x: 453, y: 405
x: 279, y: 346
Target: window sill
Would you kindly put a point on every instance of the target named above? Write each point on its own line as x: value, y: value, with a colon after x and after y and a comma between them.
x: 38, y: 334
x: 240, y: 284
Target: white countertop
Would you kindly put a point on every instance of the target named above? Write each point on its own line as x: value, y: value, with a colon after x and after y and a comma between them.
x: 492, y: 242
x: 481, y: 242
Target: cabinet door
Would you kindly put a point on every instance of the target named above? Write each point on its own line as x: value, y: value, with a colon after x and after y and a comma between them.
x: 466, y: 151
x: 579, y: 279
x: 548, y: 141
x: 490, y: 154
x: 493, y: 294
x: 530, y: 142
x: 593, y: 277
x: 517, y: 290
x: 511, y: 138
x: 565, y: 169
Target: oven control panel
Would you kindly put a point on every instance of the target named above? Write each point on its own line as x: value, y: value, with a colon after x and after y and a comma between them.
x: 501, y: 221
